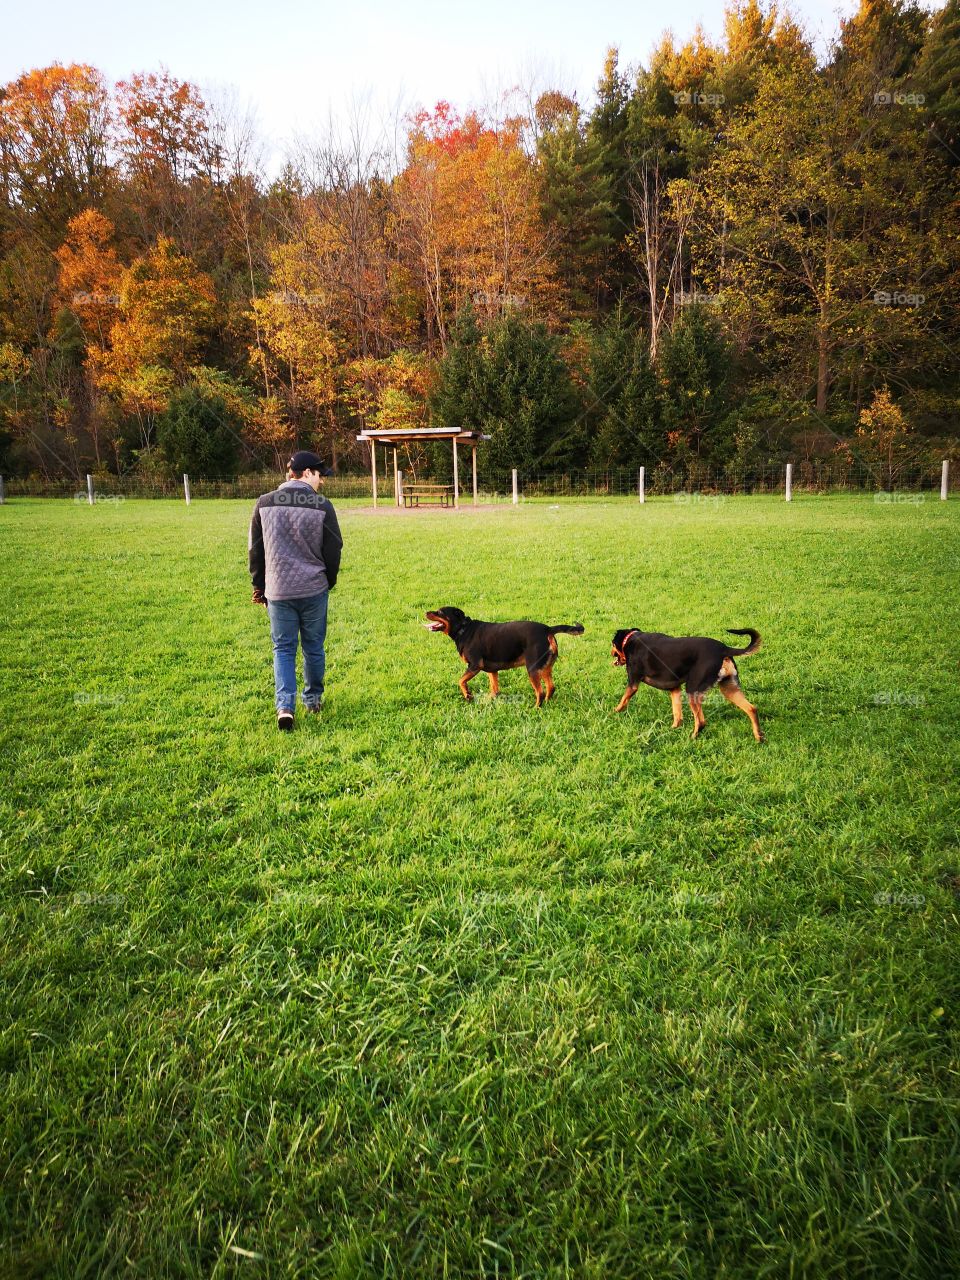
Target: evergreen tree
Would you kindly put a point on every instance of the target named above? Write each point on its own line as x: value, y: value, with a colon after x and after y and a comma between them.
x: 623, y: 410
x: 575, y: 198
x: 694, y: 372
x: 199, y: 432
x: 511, y: 382
x: 938, y: 77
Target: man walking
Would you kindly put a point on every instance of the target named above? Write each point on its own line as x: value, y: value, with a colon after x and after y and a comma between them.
x: 294, y: 548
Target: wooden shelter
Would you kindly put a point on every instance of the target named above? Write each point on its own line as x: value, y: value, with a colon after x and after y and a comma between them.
x: 424, y: 435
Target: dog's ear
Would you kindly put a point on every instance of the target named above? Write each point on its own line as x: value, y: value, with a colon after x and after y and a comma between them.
x: 618, y: 636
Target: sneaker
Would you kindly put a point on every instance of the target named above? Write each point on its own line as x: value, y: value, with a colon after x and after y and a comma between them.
x: 285, y: 720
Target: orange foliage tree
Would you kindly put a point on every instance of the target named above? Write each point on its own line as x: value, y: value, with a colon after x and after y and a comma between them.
x: 466, y: 220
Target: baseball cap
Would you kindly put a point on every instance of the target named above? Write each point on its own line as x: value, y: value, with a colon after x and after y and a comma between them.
x: 304, y: 460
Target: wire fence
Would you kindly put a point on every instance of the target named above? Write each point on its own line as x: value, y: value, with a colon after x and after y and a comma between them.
x: 497, y: 486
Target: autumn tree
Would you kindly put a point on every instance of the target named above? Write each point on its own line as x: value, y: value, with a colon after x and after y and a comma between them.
x: 466, y: 218
x: 819, y: 204
x: 165, y: 313
x: 169, y: 160
x: 54, y: 135
x: 884, y: 441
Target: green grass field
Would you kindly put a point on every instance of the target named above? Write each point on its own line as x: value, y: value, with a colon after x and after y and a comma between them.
x: 435, y: 990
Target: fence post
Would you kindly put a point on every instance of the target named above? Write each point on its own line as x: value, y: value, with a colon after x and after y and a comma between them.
x: 186, y: 488
x: 399, y: 488
x: 515, y: 496
x: 3, y: 494
x: 944, y: 481
x: 90, y: 489
x: 789, y: 481
x: 642, y: 484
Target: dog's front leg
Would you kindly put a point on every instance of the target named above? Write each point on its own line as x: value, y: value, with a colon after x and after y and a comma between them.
x: 676, y: 697
x: 465, y: 680
x: 630, y: 690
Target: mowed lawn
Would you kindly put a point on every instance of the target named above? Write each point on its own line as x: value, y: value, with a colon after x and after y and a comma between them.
x: 435, y: 990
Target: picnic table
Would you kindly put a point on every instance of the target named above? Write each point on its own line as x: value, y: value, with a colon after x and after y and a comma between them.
x: 415, y: 495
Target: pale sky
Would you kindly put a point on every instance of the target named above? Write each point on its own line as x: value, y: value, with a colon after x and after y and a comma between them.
x: 296, y: 64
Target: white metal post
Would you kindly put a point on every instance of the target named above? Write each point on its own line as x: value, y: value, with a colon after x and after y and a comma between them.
x: 186, y: 488
x: 3, y: 495
x: 642, y: 484
x: 90, y: 489
x: 474, y: 475
x: 516, y: 497
x: 789, y: 482
x: 456, y: 476
x: 396, y: 479
x: 373, y: 470
x: 944, y: 480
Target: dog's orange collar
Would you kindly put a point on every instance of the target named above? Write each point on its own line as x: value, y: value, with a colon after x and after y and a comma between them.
x: 622, y: 651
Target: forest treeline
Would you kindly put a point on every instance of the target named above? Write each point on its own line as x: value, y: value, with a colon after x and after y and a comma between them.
x: 740, y: 253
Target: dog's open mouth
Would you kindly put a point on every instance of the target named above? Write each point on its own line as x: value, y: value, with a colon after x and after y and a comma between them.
x: 435, y: 623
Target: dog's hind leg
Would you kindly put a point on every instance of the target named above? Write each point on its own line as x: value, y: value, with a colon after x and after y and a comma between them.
x: 628, y: 693
x: 733, y: 693
x: 465, y: 680
x: 548, y: 684
x: 537, y: 685
x: 696, y: 706
x: 676, y: 697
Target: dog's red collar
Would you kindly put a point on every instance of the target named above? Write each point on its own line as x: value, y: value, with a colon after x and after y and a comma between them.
x: 622, y: 651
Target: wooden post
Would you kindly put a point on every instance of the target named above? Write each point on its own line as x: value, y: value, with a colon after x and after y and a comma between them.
x: 186, y: 488
x: 396, y: 479
x: 373, y: 470
x: 789, y: 481
x: 90, y: 489
x: 474, y: 475
x: 642, y: 484
x: 516, y: 498
x: 399, y: 488
x: 3, y: 494
x: 944, y: 481
x: 456, y: 476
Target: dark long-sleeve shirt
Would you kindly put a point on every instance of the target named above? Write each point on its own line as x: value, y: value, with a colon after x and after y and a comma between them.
x: 295, y: 543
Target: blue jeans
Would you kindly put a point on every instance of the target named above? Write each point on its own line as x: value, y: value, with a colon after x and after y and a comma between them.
x: 307, y: 618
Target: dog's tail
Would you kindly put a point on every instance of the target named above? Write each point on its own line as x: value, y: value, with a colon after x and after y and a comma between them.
x: 752, y: 647
x: 575, y: 630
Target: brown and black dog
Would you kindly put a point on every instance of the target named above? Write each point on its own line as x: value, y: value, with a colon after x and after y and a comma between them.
x: 670, y: 662
x: 496, y: 646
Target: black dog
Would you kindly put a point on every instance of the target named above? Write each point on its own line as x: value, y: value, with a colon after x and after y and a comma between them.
x: 669, y: 662
x: 496, y: 646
